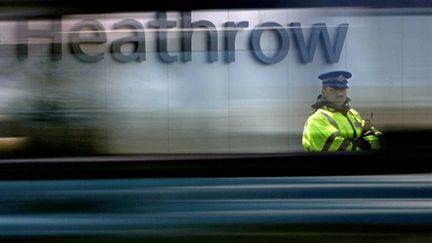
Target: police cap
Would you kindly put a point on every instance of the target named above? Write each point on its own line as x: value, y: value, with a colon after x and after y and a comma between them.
x: 336, y: 79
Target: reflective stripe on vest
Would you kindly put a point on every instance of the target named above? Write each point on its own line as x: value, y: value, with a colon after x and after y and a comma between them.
x: 331, y: 120
x: 344, y: 145
x: 329, y: 141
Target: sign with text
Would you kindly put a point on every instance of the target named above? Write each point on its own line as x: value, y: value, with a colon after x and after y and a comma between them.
x: 307, y: 45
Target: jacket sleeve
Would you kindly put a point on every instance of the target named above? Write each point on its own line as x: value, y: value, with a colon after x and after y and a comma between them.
x: 369, y: 134
x: 374, y: 138
x: 319, y: 135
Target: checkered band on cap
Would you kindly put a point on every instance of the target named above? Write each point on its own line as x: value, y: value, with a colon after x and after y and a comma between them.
x: 336, y: 79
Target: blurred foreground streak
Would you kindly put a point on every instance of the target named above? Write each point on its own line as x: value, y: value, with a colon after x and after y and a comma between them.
x: 312, y: 209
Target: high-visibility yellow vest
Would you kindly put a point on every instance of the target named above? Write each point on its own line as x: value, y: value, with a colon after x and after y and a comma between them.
x: 330, y: 130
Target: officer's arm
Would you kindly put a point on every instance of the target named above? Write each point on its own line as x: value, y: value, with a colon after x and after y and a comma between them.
x: 320, y: 135
x: 372, y: 136
x: 370, y: 139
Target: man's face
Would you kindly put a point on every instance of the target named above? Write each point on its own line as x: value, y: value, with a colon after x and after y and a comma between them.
x: 335, y: 95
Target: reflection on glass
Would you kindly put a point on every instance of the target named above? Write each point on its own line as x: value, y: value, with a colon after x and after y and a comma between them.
x: 203, y: 81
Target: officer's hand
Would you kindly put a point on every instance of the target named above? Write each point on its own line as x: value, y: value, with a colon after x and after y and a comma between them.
x: 362, y: 143
x: 371, y: 132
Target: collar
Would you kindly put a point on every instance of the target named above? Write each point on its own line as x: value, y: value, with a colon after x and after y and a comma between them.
x: 324, y: 103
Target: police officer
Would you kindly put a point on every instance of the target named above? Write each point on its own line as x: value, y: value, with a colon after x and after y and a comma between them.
x: 333, y: 124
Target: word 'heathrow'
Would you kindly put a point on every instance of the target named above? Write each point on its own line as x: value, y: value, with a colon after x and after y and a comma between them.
x: 318, y: 34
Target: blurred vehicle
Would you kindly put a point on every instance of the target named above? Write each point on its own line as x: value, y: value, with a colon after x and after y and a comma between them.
x: 13, y: 139
x: 227, y: 198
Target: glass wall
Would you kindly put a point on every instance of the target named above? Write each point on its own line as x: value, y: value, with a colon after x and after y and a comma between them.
x: 225, y: 81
